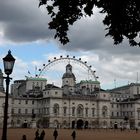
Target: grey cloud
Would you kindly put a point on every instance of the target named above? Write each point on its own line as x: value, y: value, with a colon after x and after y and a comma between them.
x: 88, y: 34
x: 23, y: 21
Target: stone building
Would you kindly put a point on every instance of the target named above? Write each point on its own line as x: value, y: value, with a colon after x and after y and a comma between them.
x: 34, y: 102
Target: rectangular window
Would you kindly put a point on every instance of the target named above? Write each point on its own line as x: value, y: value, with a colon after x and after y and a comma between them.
x: 86, y: 112
x: 19, y: 102
x: 32, y: 102
x: 73, y: 111
x: 112, y: 106
x: 139, y: 114
x: 47, y: 111
x: 93, y: 112
x: 33, y: 111
x: 127, y: 105
x: 112, y: 114
x: 131, y: 114
x: 19, y: 111
x: 12, y: 111
x: 26, y: 111
x: 26, y: 102
x: 65, y: 111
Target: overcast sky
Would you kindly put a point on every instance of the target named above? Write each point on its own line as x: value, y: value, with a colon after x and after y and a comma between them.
x: 24, y: 30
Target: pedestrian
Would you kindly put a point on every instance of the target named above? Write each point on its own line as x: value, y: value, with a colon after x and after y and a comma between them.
x: 136, y: 130
x: 24, y: 137
x: 42, y: 135
x: 37, y: 134
x: 55, y: 134
x: 73, y: 135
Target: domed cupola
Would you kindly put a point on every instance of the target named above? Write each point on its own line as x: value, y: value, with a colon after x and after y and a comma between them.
x: 68, y: 73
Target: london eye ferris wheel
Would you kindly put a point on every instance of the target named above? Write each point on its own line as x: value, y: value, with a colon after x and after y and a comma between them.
x: 55, y: 68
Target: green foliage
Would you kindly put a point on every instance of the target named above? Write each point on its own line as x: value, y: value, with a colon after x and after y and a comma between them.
x: 122, y: 17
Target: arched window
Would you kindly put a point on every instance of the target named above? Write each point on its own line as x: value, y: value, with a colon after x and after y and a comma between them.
x: 80, y: 110
x: 64, y: 123
x: 56, y: 109
x: 104, y: 124
x: 104, y: 111
x: 56, y: 123
x: 65, y: 111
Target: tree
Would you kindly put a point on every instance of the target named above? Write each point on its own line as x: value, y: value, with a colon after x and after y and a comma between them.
x: 122, y: 17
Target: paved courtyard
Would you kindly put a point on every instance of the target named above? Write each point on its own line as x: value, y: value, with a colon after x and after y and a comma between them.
x: 65, y: 134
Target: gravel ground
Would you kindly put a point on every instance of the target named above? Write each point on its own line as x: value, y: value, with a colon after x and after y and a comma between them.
x: 65, y: 134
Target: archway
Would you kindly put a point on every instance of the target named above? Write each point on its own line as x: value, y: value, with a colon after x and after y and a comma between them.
x: 73, y: 124
x: 86, y: 124
x: 25, y: 124
x: 80, y: 124
x: 64, y: 124
x: 56, y: 124
x: 45, y: 122
x: 116, y: 125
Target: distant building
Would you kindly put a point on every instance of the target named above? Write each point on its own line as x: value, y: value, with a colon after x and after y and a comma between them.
x: 35, y: 102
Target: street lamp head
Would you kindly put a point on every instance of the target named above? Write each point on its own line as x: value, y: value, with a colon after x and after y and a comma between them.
x: 8, y: 62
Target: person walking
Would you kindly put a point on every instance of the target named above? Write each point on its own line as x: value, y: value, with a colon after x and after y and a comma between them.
x: 37, y: 134
x: 55, y: 134
x: 42, y: 135
x: 24, y: 137
x: 136, y: 130
x: 73, y: 135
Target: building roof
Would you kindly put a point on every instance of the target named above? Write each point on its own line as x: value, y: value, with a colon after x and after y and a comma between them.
x: 36, y: 79
x: 51, y: 86
x: 19, y: 81
x: 68, y: 75
x: 89, y: 81
x: 125, y: 86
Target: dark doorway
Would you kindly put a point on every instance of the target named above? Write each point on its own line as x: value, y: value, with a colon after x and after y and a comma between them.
x: 116, y: 125
x: 25, y: 125
x: 86, y: 124
x: 80, y: 124
x: 73, y: 124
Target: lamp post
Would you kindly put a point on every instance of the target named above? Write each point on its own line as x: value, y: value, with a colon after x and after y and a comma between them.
x: 8, y: 62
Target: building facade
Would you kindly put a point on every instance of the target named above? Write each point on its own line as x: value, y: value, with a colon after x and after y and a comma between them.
x: 34, y: 102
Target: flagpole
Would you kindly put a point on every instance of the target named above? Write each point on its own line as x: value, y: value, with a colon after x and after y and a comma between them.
x: 35, y: 71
